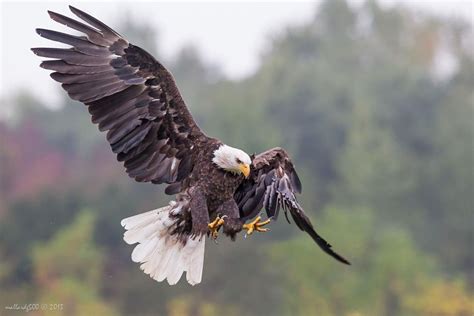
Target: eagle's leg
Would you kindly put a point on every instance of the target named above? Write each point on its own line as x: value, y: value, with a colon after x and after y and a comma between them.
x: 256, y: 225
x: 199, y: 213
x: 215, y: 225
x: 229, y: 211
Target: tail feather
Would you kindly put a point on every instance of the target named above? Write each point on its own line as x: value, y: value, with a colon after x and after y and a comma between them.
x: 139, y: 220
x: 164, y: 256
x: 196, y: 262
x: 162, y: 268
x: 151, y: 263
x: 142, y: 234
x: 142, y: 251
x: 171, y: 269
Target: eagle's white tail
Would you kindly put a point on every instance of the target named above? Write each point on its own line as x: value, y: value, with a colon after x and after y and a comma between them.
x: 164, y: 256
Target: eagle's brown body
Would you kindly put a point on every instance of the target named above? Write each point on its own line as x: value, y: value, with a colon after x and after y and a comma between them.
x: 136, y: 100
x: 211, y: 189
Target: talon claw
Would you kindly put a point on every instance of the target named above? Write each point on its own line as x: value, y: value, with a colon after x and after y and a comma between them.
x: 256, y: 225
x: 263, y: 223
x: 215, y: 225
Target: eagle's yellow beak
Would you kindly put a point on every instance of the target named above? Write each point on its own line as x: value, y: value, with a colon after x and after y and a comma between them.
x: 245, y: 169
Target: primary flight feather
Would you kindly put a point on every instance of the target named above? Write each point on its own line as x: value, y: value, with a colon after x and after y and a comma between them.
x: 136, y: 100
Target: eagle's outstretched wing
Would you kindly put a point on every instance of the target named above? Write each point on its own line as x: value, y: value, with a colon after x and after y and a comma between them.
x: 130, y: 95
x: 272, y: 185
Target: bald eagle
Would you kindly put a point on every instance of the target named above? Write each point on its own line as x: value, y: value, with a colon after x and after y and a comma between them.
x: 135, y: 99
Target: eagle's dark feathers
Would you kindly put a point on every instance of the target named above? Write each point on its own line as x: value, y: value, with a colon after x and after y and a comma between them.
x: 272, y: 185
x: 129, y: 94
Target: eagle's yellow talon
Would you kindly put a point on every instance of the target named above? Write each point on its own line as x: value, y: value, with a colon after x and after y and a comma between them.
x: 256, y: 225
x: 215, y: 225
x: 263, y: 223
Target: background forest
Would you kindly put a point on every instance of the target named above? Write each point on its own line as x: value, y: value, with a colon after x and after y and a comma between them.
x: 382, y: 135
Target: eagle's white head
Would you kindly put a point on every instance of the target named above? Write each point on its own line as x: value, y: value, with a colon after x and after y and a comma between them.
x: 232, y: 159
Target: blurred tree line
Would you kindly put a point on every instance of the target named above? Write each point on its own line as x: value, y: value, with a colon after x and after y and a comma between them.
x: 381, y: 134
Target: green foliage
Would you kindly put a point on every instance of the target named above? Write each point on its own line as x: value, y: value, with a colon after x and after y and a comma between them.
x: 371, y: 157
x: 186, y: 306
x: 70, y: 253
x: 68, y: 270
x: 441, y: 298
x: 389, y: 274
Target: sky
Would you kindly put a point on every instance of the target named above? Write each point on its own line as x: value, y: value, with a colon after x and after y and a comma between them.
x: 230, y: 35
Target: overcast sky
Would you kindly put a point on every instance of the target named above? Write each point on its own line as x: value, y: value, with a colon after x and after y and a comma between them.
x: 230, y: 35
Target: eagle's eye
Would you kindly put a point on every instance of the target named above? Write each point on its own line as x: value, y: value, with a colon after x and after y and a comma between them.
x: 237, y: 160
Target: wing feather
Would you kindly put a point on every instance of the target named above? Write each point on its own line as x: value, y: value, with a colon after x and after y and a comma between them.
x: 93, y: 35
x: 129, y: 94
x: 272, y: 185
x: 62, y: 67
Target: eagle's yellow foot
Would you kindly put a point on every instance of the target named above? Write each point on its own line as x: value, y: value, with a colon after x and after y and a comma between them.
x: 215, y: 225
x: 256, y: 225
